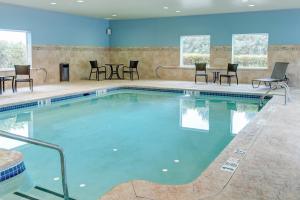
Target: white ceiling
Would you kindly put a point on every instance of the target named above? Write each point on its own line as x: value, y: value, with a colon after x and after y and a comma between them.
x: 132, y: 9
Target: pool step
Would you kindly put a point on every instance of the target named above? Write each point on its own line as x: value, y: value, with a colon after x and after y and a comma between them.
x: 12, y: 197
x: 40, y: 193
x: 25, y: 196
x: 51, y: 192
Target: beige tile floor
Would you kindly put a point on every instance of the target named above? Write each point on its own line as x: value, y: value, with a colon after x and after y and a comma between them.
x: 9, y: 158
x: 269, y: 169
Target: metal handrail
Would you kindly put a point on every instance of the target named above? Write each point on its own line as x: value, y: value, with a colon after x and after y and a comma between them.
x: 286, y: 91
x: 46, y: 145
x: 43, y: 69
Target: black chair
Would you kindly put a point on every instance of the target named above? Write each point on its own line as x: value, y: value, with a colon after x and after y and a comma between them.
x: 11, y: 79
x: 231, y: 73
x: 133, y: 65
x: 201, y: 71
x: 22, y: 74
x: 95, y: 69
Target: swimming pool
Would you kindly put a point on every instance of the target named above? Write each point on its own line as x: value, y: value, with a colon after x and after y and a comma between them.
x: 126, y: 134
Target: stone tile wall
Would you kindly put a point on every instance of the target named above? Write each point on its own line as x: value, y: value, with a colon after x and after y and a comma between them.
x: 49, y: 57
x: 150, y: 58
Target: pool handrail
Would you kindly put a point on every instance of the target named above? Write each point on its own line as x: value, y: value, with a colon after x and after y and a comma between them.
x: 274, y: 87
x: 46, y: 145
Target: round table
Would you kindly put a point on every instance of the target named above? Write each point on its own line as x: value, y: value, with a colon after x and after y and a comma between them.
x: 216, y: 73
x: 2, y: 82
x: 114, y: 70
x: 216, y: 76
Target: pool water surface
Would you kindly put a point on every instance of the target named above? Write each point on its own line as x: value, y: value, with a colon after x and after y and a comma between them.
x: 163, y: 137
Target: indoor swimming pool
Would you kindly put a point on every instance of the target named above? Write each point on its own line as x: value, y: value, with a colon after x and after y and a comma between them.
x: 126, y: 134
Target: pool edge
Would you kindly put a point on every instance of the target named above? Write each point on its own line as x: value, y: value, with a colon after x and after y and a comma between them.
x: 73, y: 95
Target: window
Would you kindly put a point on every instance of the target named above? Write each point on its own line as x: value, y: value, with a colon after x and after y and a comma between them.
x: 15, y: 48
x: 194, y: 49
x: 250, y: 50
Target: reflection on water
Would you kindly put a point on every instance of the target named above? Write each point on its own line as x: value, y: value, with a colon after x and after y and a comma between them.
x: 220, y: 115
x: 20, y: 124
x: 126, y: 136
x: 198, y: 114
x: 194, y: 114
x: 241, y: 116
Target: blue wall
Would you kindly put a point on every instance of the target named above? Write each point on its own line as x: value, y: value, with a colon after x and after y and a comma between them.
x: 283, y: 28
x: 63, y: 29
x: 54, y: 28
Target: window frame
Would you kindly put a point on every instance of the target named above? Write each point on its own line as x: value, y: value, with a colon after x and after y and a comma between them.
x: 250, y: 68
x: 181, y: 51
x: 28, y: 49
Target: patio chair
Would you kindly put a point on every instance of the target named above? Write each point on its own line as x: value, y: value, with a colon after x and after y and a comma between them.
x: 22, y: 75
x: 95, y: 69
x: 201, y: 71
x: 9, y: 79
x: 231, y: 73
x: 133, y: 68
x: 278, y: 75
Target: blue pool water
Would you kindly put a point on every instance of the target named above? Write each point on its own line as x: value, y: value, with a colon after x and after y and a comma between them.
x: 162, y: 137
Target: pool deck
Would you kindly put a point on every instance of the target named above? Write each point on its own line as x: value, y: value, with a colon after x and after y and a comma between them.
x: 269, y: 168
x: 9, y: 158
x: 53, y: 90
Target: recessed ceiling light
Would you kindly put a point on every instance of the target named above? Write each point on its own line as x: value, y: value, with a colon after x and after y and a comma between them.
x: 166, y: 7
x: 80, y: 1
x: 251, y: 5
x: 53, y: 3
x: 114, y: 15
x: 178, y: 11
x: 245, y: 1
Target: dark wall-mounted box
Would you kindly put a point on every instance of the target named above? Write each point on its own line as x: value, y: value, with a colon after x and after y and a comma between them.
x: 64, y: 71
